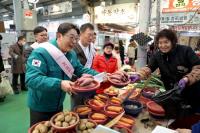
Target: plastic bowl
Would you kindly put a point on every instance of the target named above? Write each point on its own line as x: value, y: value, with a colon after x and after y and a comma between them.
x: 155, y: 108
x: 132, y: 111
x: 64, y: 129
x: 112, y: 103
x: 119, y: 85
x: 85, y: 90
x: 124, y: 128
x: 82, y: 115
x: 111, y: 94
x: 130, y: 117
x: 97, y: 121
x: 95, y: 107
x: 105, y: 99
x: 144, y: 100
x: 89, y: 120
x: 133, y: 96
x: 149, y: 92
x: 112, y: 114
x: 30, y: 130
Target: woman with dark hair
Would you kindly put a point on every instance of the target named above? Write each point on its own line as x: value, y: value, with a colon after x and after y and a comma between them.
x: 105, y: 63
x: 177, y: 64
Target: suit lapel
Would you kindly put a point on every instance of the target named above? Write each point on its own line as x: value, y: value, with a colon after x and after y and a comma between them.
x: 80, y: 51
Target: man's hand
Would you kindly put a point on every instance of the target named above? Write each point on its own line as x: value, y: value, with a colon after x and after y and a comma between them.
x: 66, y: 86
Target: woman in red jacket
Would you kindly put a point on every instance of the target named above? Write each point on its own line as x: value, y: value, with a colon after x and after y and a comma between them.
x: 105, y: 63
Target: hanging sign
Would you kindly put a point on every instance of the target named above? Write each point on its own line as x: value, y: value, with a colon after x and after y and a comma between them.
x: 180, y: 5
x: 120, y: 13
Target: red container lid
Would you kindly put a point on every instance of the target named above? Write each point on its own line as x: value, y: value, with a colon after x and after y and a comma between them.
x: 155, y: 108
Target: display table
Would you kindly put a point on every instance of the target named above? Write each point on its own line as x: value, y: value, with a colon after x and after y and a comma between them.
x: 142, y: 127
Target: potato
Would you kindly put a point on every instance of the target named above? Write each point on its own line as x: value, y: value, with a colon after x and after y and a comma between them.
x: 73, y: 118
x: 68, y: 118
x: 72, y: 122
x: 82, y: 126
x: 90, y: 125
x: 85, y: 131
x: 84, y: 120
x: 43, y: 129
x: 47, y: 124
x: 38, y: 126
x: 36, y: 131
x: 50, y: 131
x: 65, y: 124
x: 90, y: 130
x: 58, y: 123
x: 66, y: 112
x: 60, y: 117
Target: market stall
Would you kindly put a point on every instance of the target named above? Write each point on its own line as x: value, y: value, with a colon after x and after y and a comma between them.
x: 125, y: 107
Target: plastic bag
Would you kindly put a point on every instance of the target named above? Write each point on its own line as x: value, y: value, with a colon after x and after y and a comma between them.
x: 5, y: 87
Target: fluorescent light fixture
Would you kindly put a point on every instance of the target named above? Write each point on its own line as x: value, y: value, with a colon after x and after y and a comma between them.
x: 39, y: 8
x: 5, y: 15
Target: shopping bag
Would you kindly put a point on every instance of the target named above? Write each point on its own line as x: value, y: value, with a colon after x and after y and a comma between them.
x: 5, y: 87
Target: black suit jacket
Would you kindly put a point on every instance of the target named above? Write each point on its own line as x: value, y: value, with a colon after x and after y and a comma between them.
x: 80, y: 54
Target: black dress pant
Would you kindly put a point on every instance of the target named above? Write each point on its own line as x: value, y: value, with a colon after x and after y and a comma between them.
x: 36, y: 116
x: 15, y: 81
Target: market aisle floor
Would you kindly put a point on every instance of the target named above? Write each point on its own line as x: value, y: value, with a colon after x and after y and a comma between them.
x: 14, y: 113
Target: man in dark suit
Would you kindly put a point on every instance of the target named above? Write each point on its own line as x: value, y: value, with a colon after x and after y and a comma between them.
x: 85, y: 49
x: 85, y: 52
x: 16, y: 52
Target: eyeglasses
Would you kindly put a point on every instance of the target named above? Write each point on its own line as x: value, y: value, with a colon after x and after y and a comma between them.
x: 72, y: 37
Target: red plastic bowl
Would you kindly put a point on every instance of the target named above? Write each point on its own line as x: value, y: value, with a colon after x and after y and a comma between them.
x: 103, y: 99
x: 89, y: 121
x: 111, y: 94
x: 85, y: 89
x: 112, y: 103
x: 97, y: 121
x: 30, y: 130
x: 155, y: 108
x: 149, y: 92
x: 133, y: 96
x: 156, y: 114
x: 119, y: 85
x: 144, y: 100
x: 64, y: 129
x: 120, y: 127
x: 112, y: 115
x: 82, y: 115
x: 94, y: 107
x: 130, y: 117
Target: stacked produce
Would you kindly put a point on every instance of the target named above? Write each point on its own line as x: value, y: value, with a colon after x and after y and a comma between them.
x: 83, y: 110
x: 65, y: 119
x: 43, y: 127
x: 85, y: 126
